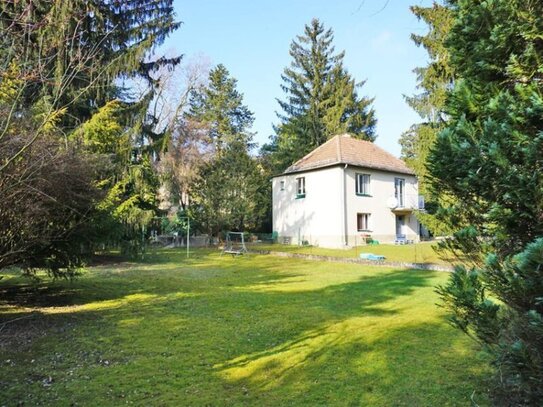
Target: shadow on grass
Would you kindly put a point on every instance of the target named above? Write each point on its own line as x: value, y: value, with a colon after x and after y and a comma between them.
x: 420, y: 364
x: 108, y: 280
x: 212, y: 330
x: 218, y: 287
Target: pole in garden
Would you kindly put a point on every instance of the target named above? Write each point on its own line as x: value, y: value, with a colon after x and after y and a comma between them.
x: 188, y: 236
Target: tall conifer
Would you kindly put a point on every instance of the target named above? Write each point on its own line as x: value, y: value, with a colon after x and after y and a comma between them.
x: 230, y: 191
x: 72, y: 58
x: 434, y: 81
x: 489, y: 160
x: 220, y: 107
x: 321, y: 99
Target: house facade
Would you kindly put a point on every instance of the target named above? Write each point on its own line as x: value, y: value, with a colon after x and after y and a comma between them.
x: 343, y: 192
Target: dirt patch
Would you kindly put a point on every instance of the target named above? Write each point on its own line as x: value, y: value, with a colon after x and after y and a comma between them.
x: 23, y: 312
x: 106, y: 260
x: 20, y: 330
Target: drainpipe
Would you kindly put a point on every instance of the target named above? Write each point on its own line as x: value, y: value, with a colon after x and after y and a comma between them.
x: 345, y: 220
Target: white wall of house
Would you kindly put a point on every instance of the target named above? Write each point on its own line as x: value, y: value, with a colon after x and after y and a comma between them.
x: 316, y: 218
x: 327, y: 215
x: 382, y: 219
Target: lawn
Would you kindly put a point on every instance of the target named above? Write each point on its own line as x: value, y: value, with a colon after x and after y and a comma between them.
x: 254, y: 330
x: 412, y: 253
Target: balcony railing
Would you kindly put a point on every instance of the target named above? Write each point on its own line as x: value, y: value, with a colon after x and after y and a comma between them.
x: 406, y: 202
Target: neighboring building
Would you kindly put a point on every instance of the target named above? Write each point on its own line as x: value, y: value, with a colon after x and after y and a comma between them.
x: 343, y: 191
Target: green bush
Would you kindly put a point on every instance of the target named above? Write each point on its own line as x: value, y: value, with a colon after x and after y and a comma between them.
x: 501, y: 305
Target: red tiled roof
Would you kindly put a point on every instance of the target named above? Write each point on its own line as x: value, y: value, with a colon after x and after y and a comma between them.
x: 343, y: 149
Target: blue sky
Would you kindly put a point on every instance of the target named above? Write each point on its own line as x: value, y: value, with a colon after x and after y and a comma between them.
x: 252, y: 39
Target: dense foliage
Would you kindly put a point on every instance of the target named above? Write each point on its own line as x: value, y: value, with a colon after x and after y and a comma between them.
x: 489, y: 160
x: 434, y: 81
x: 321, y: 99
x: 47, y: 193
x: 230, y: 191
x: 489, y: 156
x: 66, y: 119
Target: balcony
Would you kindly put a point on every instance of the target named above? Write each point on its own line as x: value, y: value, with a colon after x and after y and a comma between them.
x: 406, y: 204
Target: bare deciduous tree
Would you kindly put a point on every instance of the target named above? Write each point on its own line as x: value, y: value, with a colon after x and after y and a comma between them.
x: 188, y: 145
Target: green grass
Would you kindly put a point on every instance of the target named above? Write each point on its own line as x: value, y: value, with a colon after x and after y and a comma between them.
x: 412, y: 253
x: 254, y: 330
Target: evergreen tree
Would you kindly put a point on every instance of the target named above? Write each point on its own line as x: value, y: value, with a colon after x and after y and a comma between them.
x: 488, y: 159
x: 220, y: 106
x: 71, y: 58
x: 321, y: 99
x: 74, y: 51
x: 47, y: 192
x: 229, y: 193
x: 434, y: 81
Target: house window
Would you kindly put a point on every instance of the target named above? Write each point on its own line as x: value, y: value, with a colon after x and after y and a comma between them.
x: 300, y: 187
x: 282, y: 185
x: 399, y: 191
x: 363, y: 222
x: 363, y: 184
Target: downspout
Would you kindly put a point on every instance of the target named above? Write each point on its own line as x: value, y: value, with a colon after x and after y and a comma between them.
x: 345, y: 223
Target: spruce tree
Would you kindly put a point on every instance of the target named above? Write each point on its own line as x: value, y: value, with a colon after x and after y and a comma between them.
x: 72, y: 57
x: 321, y: 99
x: 488, y: 159
x: 220, y: 107
x: 74, y: 51
x: 434, y: 81
x: 230, y: 190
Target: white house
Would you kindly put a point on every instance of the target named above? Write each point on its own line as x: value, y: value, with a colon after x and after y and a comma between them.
x: 343, y: 191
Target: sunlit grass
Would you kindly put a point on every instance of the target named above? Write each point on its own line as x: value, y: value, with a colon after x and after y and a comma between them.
x: 252, y: 330
x: 412, y: 253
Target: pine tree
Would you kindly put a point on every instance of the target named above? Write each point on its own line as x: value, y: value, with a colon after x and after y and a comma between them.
x: 84, y: 46
x: 220, y: 106
x: 321, y: 99
x: 486, y: 156
x: 488, y: 159
x: 71, y: 58
x: 230, y: 191
x: 434, y: 81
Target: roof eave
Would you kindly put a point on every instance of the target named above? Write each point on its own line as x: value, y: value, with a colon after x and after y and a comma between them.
x: 318, y: 167
x: 300, y: 170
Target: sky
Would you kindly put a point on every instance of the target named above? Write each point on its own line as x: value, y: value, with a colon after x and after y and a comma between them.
x: 252, y: 39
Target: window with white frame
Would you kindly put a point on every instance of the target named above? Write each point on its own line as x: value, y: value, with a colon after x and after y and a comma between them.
x: 399, y: 191
x: 363, y: 184
x: 363, y: 222
x: 300, y: 187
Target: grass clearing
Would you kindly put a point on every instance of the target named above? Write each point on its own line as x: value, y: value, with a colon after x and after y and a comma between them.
x: 253, y: 330
x: 423, y: 252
